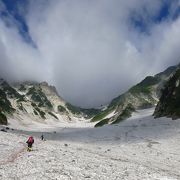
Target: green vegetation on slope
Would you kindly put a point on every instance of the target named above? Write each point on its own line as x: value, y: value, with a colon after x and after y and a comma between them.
x: 20, y: 106
x: 101, y: 115
x: 73, y: 109
x: 131, y: 97
x: 11, y: 92
x: 145, y: 86
x: 102, y: 122
x: 22, y: 88
x: 42, y: 113
x: 126, y: 113
x: 53, y: 115
x: 116, y: 101
x: 21, y: 98
x: 77, y: 110
x: 141, y: 96
x: 38, y: 96
x: 38, y: 110
x: 62, y: 109
x: 3, y: 119
x: 90, y: 112
x: 35, y: 112
x: 5, y: 104
x: 169, y: 103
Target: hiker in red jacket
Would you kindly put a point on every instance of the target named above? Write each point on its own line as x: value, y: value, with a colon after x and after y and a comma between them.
x: 30, y: 142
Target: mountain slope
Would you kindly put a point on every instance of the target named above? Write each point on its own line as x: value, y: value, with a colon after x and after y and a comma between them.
x: 40, y: 102
x: 5, y: 104
x: 169, y: 103
x: 143, y: 95
x: 31, y: 102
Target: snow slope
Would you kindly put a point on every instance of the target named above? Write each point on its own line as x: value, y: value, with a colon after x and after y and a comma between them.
x: 138, y: 148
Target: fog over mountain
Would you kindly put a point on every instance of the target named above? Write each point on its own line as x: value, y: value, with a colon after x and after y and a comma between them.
x: 92, y: 51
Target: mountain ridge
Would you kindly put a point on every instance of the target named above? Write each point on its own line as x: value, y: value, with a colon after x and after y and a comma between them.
x: 37, y: 101
x: 143, y: 95
x: 41, y: 101
x: 169, y: 103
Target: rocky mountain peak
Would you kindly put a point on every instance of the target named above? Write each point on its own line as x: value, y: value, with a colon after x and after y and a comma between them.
x: 169, y: 103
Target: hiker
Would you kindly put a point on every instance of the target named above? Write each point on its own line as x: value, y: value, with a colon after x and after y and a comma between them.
x: 42, y: 137
x: 30, y: 142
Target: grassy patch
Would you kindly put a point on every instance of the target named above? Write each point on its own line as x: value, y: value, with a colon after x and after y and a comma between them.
x: 140, y: 89
x: 90, y: 112
x: 41, y: 113
x: 38, y: 96
x: 73, y: 109
x: 5, y: 104
x: 3, y: 119
x: 35, y: 112
x: 102, y: 123
x: 22, y: 88
x: 149, y: 81
x: 53, y: 115
x: 145, y: 86
x: 21, y: 98
x: 62, y: 109
x: 102, y: 115
x: 11, y: 92
x: 20, y: 106
x: 118, y: 100
x: 33, y: 104
x: 126, y: 113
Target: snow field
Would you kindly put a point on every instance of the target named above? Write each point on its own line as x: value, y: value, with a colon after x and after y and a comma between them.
x: 138, y: 148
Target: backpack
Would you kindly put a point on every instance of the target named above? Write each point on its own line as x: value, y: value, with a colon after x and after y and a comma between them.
x: 31, y: 140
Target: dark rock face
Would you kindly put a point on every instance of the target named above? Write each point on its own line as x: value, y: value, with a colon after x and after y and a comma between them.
x: 5, y: 104
x: 3, y: 119
x: 169, y: 103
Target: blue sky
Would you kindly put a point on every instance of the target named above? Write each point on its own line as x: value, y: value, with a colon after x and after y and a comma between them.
x: 165, y: 13
x: 92, y: 51
x: 138, y: 21
x: 15, y: 10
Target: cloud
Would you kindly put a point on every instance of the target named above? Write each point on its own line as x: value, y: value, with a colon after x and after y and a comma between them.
x: 18, y: 60
x: 92, y: 50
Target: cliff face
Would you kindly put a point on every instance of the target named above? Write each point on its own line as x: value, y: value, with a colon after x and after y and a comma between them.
x: 5, y: 104
x: 169, y: 103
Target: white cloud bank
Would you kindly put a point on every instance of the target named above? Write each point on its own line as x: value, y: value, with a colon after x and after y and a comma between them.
x: 89, y: 50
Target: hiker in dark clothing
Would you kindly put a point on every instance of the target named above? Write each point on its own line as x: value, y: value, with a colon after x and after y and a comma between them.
x: 42, y: 137
x: 30, y: 142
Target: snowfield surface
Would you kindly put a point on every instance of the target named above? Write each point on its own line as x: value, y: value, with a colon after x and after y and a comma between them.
x: 140, y: 148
